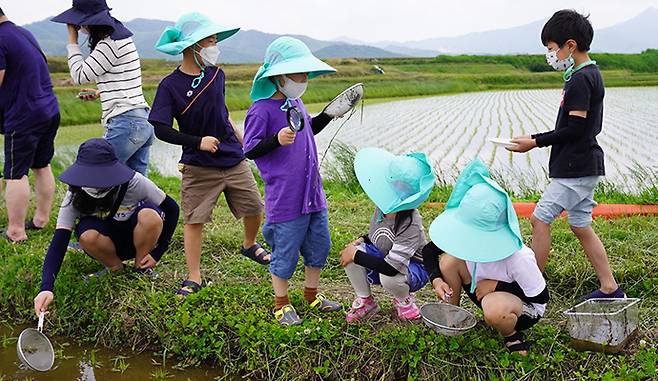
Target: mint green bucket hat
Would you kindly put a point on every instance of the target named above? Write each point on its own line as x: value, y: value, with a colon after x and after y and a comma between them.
x: 479, y: 223
x: 190, y: 29
x: 394, y: 183
x: 286, y: 55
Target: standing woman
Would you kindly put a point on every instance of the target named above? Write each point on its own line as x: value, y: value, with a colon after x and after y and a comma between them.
x: 114, y: 65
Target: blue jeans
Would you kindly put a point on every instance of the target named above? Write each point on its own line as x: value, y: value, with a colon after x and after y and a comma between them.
x: 307, y: 235
x: 131, y: 136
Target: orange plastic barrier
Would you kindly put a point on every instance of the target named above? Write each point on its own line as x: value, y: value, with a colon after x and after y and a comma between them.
x: 608, y: 211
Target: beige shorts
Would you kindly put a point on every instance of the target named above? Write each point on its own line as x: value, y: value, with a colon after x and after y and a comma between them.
x: 202, y: 186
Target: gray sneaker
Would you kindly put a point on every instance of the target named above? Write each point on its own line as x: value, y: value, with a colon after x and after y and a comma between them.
x: 322, y: 304
x: 97, y: 275
x: 287, y: 316
x: 149, y: 273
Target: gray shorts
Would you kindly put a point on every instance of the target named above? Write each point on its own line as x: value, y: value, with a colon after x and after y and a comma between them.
x: 575, y: 195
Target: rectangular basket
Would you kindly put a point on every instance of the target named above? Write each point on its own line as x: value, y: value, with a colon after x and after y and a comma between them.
x: 603, y: 325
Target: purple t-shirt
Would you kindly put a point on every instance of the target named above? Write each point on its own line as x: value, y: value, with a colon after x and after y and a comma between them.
x: 293, y: 186
x: 26, y: 95
x: 208, y: 116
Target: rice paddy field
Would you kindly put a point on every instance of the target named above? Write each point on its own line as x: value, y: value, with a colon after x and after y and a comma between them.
x: 454, y: 130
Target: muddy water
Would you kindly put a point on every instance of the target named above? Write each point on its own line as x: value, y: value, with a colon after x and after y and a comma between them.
x: 79, y: 363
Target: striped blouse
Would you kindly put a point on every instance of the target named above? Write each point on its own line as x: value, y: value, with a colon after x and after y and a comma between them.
x: 115, y: 67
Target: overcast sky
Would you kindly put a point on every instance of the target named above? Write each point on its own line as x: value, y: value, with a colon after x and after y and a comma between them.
x: 365, y: 20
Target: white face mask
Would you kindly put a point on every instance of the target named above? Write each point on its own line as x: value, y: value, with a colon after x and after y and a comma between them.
x: 210, y: 55
x: 292, y: 89
x: 558, y: 64
x: 97, y: 192
x: 84, y: 30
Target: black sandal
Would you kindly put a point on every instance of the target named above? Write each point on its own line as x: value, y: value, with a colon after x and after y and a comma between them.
x: 521, y: 346
x: 29, y: 225
x: 258, y: 258
x: 192, y: 285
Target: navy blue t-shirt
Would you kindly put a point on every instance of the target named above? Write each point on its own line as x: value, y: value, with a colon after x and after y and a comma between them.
x: 27, y: 99
x: 581, y: 157
x: 207, y: 116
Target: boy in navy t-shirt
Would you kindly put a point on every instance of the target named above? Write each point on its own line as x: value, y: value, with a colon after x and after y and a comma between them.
x: 213, y: 161
x: 576, y: 160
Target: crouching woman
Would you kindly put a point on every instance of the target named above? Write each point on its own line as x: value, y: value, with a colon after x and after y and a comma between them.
x: 116, y: 213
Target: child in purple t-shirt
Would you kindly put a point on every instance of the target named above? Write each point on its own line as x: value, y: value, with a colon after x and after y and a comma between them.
x: 212, y: 162
x: 295, y: 204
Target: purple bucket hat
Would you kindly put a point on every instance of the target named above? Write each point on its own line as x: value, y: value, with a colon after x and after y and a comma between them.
x: 96, y: 166
x: 93, y: 12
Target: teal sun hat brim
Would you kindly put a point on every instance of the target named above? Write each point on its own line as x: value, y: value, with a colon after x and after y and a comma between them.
x: 190, y: 29
x: 462, y: 229
x: 286, y: 55
x: 394, y: 183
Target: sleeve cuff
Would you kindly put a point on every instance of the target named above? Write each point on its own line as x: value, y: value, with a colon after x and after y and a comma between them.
x: 73, y: 49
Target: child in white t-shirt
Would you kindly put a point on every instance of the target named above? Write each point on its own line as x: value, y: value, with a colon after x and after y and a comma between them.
x: 480, y: 230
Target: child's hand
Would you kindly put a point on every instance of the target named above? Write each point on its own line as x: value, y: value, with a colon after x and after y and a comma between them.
x: 523, y: 144
x: 209, y: 144
x: 442, y: 289
x: 347, y: 255
x: 42, y: 301
x: 485, y: 287
x: 286, y: 136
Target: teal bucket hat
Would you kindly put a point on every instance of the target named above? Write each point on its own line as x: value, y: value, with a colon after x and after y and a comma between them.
x: 190, y: 29
x: 286, y: 55
x: 394, y: 183
x: 479, y: 223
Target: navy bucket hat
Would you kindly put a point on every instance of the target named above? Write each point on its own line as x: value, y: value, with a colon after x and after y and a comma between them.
x: 96, y: 166
x: 93, y: 12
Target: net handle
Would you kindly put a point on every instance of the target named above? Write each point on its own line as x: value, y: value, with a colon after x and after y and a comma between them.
x: 40, y: 324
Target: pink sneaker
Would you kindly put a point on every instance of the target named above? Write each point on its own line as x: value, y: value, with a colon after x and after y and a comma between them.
x: 362, y: 309
x: 407, y: 308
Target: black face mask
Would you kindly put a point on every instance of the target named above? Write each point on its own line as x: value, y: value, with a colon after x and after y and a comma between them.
x: 88, y: 205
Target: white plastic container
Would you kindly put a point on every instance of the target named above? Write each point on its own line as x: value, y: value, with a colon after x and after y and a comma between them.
x: 603, y: 325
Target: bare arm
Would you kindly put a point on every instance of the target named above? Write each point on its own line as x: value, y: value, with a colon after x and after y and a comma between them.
x: 2, y: 76
x: 238, y: 133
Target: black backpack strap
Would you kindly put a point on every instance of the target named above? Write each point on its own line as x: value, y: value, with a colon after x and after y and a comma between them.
x: 118, y: 201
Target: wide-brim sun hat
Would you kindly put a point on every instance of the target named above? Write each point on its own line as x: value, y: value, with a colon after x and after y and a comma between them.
x: 286, y: 55
x: 479, y: 223
x: 93, y: 12
x: 394, y: 182
x: 96, y: 166
x: 190, y: 29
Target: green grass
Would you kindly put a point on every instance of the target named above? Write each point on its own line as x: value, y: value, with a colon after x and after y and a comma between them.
x: 405, y: 77
x: 229, y: 324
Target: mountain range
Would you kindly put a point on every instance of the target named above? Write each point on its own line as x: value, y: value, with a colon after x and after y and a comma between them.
x: 248, y: 46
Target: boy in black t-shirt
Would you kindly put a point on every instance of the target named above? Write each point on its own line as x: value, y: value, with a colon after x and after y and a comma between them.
x: 576, y: 161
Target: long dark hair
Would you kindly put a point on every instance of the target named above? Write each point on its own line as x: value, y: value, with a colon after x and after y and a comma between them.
x: 88, y: 205
x: 400, y: 218
x: 97, y: 33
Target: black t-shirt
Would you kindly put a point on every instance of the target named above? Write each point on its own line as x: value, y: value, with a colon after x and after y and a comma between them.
x: 583, y: 156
